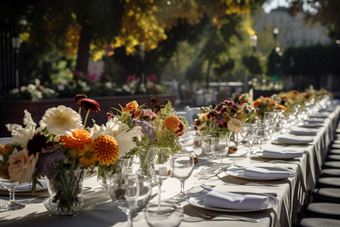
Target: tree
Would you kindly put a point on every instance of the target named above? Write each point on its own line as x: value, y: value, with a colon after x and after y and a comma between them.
x: 81, y: 26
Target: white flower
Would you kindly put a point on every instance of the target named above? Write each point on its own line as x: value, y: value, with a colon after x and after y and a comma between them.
x: 37, y: 95
x: 126, y: 88
x: 15, y: 91
x: 108, y: 85
x: 86, y: 88
x: 23, y: 88
x: 63, y: 81
x: 61, y: 87
x: 234, y: 125
x: 30, y: 88
x: 61, y: 120
x: 37, y: 81
x: 120, y: 132
x: 21, y: 135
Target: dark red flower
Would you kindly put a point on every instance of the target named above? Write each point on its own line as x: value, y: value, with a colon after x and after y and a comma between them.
x: 90, y: 104
x: 110, y: 115
x: 37, y: 143
x: 78, y: 98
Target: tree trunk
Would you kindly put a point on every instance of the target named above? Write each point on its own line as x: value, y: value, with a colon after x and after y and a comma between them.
x: 83, y: 48
x: 208, y: 75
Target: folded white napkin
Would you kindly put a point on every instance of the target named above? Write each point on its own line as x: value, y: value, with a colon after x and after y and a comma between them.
x: 319, y: 115
x: 315, y: 120
x: 303, y: 131
x: 296, y: 140
x: 328, y: 109
x: 265, y: 173
x: 235, y: 201
x: 282, y: 153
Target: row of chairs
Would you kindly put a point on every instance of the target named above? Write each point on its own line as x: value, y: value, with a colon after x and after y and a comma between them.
x: 324, y: 210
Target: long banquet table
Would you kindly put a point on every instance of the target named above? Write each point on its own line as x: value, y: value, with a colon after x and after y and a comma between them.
x: 292, y: 193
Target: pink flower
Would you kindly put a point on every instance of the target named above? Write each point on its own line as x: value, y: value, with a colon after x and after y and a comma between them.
x: 21, y: 165
x: 77, y: 73
x: 131, y: 77
x: 107, y: 77
x: 234, y: 125
x: 152, y: 78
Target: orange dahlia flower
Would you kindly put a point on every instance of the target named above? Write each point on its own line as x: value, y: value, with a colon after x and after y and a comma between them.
x: 172, y: 123
x: 106, y: 149
x: 257, y: 103
x: 78, y: 138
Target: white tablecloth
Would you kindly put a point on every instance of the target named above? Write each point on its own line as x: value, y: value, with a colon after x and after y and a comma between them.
x: 291, y: 193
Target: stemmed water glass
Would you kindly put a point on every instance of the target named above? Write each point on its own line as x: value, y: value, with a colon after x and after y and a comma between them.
x: 261, y: 132
x: 220, y: 147
x: 182, y: 167
x: 10, y: 186
x: 159, y: 164
x: 124, y: 191
x: 247, y: 132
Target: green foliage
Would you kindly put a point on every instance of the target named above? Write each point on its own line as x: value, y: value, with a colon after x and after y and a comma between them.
x: 252, y: 64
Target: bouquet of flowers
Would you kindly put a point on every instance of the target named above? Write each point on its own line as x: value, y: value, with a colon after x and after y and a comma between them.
x: 264, y: 104
x: 159, y: 124
x: 223, y: 119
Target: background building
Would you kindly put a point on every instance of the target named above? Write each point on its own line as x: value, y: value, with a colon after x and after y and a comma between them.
x: 293, y: 31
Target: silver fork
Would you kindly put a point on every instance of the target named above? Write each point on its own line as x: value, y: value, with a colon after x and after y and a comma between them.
x: 227, y: 216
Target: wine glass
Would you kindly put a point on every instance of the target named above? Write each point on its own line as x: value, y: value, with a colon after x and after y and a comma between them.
x: 10, y: 186
x: 167, y: 214
x: 247, y: 132
x: 261, y: 132
x: 182, y: 167
x: 159, y: 164
x: 145, y: 189
x: 124, y: 192
x: 220, y: 147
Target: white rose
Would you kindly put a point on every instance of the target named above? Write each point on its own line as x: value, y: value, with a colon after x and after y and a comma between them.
x: 23, y: 88
x: 30, y: 87
x: 63, y: 81
x: 61, y: 87
x: 234, y: 125
x: 21, y: 165
x: 108, y: 85
x: 15, y: 91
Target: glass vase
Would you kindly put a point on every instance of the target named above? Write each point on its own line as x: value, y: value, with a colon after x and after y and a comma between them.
x: 65, y: 192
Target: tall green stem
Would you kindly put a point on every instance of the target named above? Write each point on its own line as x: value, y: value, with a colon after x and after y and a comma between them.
x: 87, y: 115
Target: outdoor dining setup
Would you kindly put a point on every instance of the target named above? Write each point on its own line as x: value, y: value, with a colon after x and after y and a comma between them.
x: 271, y: 162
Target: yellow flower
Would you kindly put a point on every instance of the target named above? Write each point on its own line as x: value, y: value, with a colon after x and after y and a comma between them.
x: 106, y: 149
x: 87, y: 156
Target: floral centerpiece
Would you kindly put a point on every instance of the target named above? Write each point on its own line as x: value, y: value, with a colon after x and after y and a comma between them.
x: 264, y: 104
x: 160, y: 125
x: 223, y: 119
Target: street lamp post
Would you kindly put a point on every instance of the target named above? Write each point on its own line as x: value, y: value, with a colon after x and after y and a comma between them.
x: 16, y: 49
x: 275, y: 34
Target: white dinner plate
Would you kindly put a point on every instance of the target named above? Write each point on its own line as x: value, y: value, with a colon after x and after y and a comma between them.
x: 26, y: 187
x: 5, y: 140
x: 260, y: 154
x: 239, y: 172
x: 198, y: 201
x: 240, y: 152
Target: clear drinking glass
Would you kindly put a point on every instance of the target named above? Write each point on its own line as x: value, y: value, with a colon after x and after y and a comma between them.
x: 159, y: 164
x: 10, y: 186
x: 220, y: 146
x: 261, y: 132
x: 124, y: 191
x: 247, y: 132
x: 145, y: 189
x: 182, y: 167
x: 166, y: 214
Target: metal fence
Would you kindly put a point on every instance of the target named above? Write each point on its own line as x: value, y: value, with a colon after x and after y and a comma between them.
x: 10, y: 73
